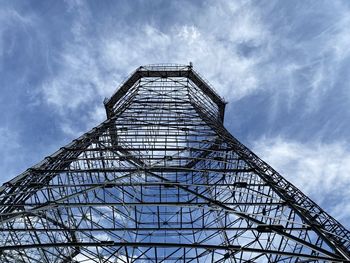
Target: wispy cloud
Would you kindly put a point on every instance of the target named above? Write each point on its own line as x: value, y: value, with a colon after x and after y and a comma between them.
x: 77, y: 77
x: 94, y: 66
x: 11, y: 19
x: 242, y: 53
x: 322, y: 171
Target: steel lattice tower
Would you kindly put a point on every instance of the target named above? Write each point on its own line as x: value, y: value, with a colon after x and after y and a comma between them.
x: 162, y: 180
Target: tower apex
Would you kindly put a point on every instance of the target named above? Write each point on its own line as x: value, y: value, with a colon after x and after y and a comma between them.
x: 166, y: 71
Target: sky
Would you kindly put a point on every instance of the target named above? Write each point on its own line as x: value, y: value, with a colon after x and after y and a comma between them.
x: 282, y: 66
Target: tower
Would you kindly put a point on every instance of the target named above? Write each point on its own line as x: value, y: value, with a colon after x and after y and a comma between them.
x: 162, y: 180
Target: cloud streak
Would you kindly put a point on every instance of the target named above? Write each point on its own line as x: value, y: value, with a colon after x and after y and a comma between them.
x: 89, y: 66
x: 322, y: 171
x: 242, y: 54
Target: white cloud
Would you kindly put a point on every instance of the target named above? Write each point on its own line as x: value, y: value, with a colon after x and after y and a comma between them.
x: 78, y: 79
x: 14, y: 27
x: 91, y: 68
x: 183, y: 44
x: 313, y: 47
x: 231, y: 43
x: 10, y: 18
x: 340, y: 40
x: 322, y: 171
x: 238, y: 53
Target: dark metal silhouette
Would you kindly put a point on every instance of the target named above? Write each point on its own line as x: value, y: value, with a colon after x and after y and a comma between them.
x: 162, y: 180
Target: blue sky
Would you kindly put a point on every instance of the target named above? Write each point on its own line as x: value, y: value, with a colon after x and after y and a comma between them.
x: 283, y: 66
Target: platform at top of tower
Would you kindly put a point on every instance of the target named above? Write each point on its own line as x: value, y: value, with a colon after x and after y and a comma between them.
x: 166, y: 71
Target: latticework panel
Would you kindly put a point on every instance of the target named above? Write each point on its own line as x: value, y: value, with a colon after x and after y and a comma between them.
x: 161, y: 180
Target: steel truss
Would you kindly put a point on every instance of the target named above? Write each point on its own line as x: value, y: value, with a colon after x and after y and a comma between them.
x: 162, y: 180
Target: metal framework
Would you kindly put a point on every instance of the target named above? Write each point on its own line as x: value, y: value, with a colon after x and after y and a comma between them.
x: 162, y: 180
